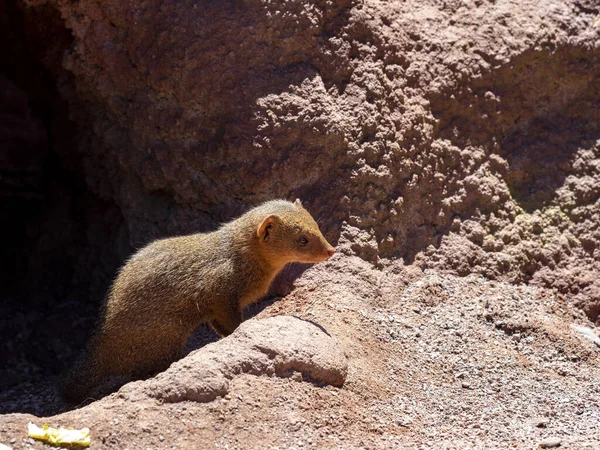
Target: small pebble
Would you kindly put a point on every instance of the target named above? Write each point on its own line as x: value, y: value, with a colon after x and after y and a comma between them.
x: 587, y: 333
x: 552, y: 442
x: 297, y: 376
x: 540, y: 422
x: 466, y: 385
x: 404, y: 421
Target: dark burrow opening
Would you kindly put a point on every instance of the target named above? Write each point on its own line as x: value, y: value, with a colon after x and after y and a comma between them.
x: 62, y: 243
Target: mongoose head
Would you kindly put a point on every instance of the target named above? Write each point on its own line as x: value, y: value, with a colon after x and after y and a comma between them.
x: 288, y: 233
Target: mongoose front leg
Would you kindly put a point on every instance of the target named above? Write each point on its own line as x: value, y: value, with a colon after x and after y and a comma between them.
x: 219, y: 328
x: 227, y: 320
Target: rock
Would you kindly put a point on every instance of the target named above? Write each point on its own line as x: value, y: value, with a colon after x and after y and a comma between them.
x: 273, y: 346
x: 155, y: 102
x: 551, y: 442
x: 587, y: 333
x: 540, y: 422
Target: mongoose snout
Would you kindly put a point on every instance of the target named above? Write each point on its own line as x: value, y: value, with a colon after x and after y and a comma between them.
x: 170, y: 287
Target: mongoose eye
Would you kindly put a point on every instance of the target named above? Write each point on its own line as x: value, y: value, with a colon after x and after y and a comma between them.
x: 303, y: 240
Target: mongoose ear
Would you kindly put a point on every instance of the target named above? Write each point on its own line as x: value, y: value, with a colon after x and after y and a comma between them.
x: 265, y: 227
x: 298, y: 202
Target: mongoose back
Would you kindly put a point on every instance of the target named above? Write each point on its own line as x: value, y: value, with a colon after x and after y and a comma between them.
x: 170, y: 287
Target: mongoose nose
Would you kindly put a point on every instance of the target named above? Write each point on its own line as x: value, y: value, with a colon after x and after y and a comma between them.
x: 331, y: 251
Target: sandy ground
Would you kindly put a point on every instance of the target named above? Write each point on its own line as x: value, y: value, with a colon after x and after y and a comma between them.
x: 434, y: 361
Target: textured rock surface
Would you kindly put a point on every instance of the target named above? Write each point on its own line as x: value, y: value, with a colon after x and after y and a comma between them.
x: 424, y: 129
x: 274, y: 346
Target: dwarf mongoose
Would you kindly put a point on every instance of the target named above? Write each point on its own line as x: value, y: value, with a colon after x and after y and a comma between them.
x: 170, y: 287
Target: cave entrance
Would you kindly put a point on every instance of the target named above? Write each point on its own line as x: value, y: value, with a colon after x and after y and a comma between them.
x: 59, y: 238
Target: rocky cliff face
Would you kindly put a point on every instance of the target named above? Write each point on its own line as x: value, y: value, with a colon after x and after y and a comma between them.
x: 413, y: 130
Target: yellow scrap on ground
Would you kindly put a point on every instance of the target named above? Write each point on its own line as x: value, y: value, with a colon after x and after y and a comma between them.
x: 60, y: 436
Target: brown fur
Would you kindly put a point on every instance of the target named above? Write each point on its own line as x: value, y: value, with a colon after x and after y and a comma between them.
x: 170, y: 287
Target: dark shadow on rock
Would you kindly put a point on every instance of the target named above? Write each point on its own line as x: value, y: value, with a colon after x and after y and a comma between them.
x: 534, y: 112
x: 539, y: 163
x: 202, y: 336
x: 69, y: 235
x: 281, y: 286
x: 65, y: 240
x: 39, y: 398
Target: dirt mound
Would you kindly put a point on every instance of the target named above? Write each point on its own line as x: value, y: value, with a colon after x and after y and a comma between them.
x: 434, y: 361
x: 283, y: 346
